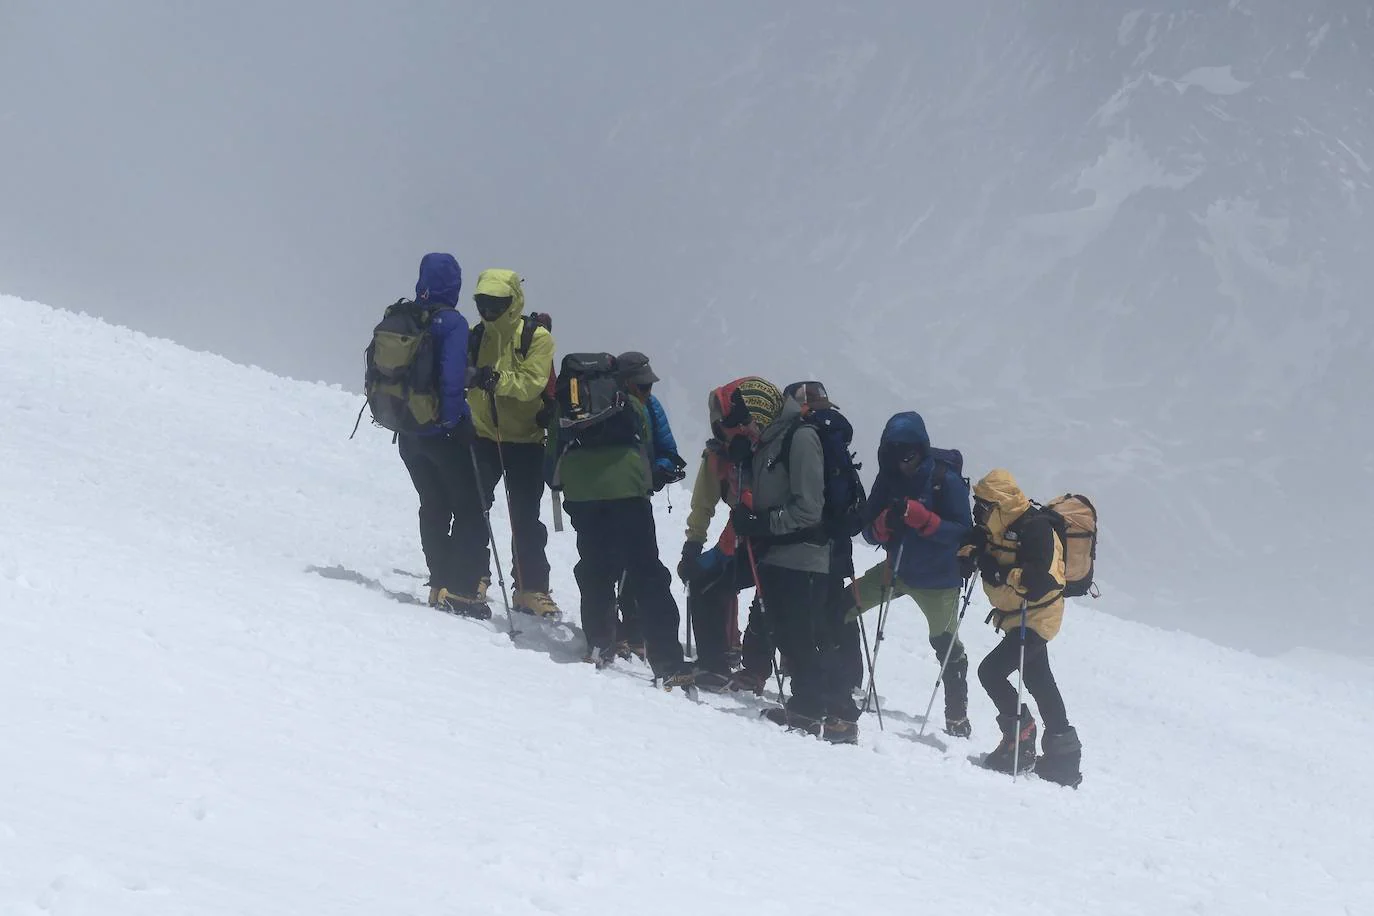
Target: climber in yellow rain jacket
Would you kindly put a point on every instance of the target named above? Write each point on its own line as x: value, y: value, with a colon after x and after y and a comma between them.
x: 1020, y: 554
x: 509, y: 370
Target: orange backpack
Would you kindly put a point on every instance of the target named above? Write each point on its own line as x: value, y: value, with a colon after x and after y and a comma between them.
x: 1075, y: 518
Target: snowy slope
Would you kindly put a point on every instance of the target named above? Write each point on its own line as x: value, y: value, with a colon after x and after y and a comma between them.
x: 200, y: 717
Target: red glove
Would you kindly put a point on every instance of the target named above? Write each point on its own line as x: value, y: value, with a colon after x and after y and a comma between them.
x: 920, y: 519
x: 881, y: 532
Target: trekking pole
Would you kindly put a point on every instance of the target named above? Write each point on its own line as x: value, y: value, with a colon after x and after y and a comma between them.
x: 763, y: 606
x: 872, y: 694
x: 486, y: 517
x: 1020, y: 685
x: 556, y: 498
x: 687, y: 591
x: 968, y: 595
x: 516, y: 579
x: 868, y: 656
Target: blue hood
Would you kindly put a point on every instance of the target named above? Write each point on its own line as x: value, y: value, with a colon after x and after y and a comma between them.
x: 441, y: 279
x: 906, y: 428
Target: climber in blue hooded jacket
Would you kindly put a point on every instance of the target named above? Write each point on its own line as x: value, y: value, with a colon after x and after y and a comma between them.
x: 918, y: 510
x: 440, y: 281
x: 440, y: 460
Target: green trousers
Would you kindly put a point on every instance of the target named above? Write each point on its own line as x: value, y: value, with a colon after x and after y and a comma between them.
x: 940, y: 605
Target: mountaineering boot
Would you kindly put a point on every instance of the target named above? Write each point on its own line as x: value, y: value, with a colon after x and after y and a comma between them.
x: 627, y: 650
x: 745, y: 680
x: 793, y: 722
x: 540, y: 604
x: 958, y: 728
x: 483, y: 584
x: 1001, y: 757
x: 601, y: 656
x: 683, y: 677
x: 460, y: 605
x: 840, y: 731
x: 712, y: 681
x: 956, y: 699
x: 1063, y: 753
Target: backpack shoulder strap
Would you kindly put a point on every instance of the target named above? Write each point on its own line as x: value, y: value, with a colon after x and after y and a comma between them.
x: 527, y: 335
x: 475, y: 342
x: 785, y: 453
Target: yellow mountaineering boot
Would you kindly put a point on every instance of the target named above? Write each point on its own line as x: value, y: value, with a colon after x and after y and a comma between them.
x: 462, y: 605
x: 540, y: 604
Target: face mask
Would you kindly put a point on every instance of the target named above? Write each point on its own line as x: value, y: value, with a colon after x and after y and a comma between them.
x: 740, y: 449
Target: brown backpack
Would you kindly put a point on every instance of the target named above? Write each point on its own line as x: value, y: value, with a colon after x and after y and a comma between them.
x: 1075, y: 518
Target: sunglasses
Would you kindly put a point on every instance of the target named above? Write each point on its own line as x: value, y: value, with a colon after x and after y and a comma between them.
x: 910, y: 458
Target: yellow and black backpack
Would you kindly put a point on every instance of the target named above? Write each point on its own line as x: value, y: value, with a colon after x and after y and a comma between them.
x: 402, y: 376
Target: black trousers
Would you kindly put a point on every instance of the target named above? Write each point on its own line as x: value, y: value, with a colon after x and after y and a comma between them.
x: 524, y: 481
x: 712, y: 602
x: 441, y: 470
x: 1002, y: 662
x: 617, y: 537
x: 849, y: 658
x: 800, y: 622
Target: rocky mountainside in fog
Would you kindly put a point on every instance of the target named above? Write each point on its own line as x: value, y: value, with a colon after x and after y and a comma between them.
x: 1122, y: 251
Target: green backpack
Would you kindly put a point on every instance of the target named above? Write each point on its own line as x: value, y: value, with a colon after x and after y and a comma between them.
x: 402, y: 378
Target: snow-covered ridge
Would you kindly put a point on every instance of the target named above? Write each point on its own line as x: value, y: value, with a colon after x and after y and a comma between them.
x: 202, y: 716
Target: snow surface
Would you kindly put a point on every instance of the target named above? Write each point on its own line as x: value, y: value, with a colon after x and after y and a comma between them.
x: 221, y: 697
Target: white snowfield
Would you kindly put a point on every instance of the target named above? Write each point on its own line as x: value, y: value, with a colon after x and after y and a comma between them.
x: 206, y: 709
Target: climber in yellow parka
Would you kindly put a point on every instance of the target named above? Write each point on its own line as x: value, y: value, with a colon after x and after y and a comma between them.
x: 1017, y: 549
x: 510, y: 362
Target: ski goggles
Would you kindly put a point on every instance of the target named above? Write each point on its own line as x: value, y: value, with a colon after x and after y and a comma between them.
x: 982, y: 510
x: 492, y: 307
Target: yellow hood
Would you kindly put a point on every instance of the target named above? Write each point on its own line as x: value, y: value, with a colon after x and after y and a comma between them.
x: 1000, y: 488
x: 497, y: 281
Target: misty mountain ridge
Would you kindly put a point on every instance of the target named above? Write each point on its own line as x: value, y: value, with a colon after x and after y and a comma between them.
x: 1157, y: 307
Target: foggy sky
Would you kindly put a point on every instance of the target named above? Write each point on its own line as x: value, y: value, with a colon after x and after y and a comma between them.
x: 944, y: 207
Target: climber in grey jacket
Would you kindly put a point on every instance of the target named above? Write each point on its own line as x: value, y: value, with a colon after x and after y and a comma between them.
x: 779, y: 524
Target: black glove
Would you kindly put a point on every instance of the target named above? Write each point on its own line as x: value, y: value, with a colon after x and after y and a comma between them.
x: 971, y: 549
x: 687, y: 566
x: 664, y: 476
x: 992, y: 571
x: 484, y: 378
x: 750, y: 524
x: 460, y: 433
